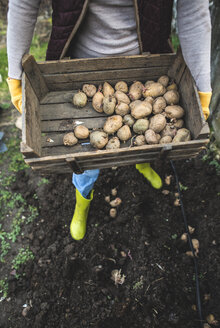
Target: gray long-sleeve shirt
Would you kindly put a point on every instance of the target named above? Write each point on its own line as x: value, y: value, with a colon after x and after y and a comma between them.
x: 95, y: 36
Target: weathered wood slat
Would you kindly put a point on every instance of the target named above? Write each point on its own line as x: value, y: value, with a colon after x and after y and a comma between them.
x: 106, y: 75
x: 35, y: 76
x: 67, y: 111
x: 70, y: 124
x: 31, y: 128
x: 177, y: 68
x: 56, y: 97
x: 95, y: 64
x: 56, y: 86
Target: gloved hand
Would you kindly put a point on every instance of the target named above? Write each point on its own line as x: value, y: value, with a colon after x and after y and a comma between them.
x: 16, y: 93
x: 205, y: 98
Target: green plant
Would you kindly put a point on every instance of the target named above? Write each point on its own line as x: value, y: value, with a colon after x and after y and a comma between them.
x: 42, y: 182
x: 139, y: 284
x: 182, y: 187
x: 23, y: 256
x: 3, y: 288
x: 174, y: 236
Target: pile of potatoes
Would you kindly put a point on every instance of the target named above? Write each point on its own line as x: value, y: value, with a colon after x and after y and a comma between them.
x: 148, y: 113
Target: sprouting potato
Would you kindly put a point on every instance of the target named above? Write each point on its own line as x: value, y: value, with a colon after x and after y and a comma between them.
x: 135, y: 90
x: 80, y: 99
x: 89, y: 90
x: 141, y: 109
x: 149, y: 82
x: 154, y: 90
x: 109, y: 104
x: 172, y: 97
x: 112, y: 124
x: 129, y: 120
x: 122, y: 109
x: 165, y: 140
x: 98, y: 139
x: 174, y: 111
x: 157, y: 123
x: 150, y: 137
x: 169, y: 130
x: 164, y: 80
x: 81, y: 132
x: 97, y: 101
x: 121, y: 86
x: 113, y: 143
x: 182, y: 135
x: 108, y: 90
x: 178, y: 124
x: 141, y: 125
x: 122, y: 97
x: 140, y: 140
x: 124, y: 133
x: 69, y: 139
x: 159, y: 105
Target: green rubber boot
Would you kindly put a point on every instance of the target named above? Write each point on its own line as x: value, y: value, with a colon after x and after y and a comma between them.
x: 78, y: 223
x: 150, y: 175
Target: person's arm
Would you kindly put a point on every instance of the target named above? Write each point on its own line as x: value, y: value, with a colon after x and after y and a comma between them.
x: 194, y: 30
x: 22, y: 16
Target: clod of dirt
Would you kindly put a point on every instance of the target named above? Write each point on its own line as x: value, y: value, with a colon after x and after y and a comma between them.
x: 123, y: 254
x: 25, y: 311
x: 165, y: 192
x: 176, y: 202
x: 117, y: 277
x: 116, y: 202
x: 211, y: 319
x: 113, y: 213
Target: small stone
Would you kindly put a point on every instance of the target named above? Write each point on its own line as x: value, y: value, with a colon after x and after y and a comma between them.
x: 191, y: 229
x: 168, y: 179
x: 165, y: 192
x: 176, y: 202
x: 114, y: 192
x: 25, y: 311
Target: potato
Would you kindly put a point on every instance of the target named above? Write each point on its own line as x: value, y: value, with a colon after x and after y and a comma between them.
x: 164, y: 80
x: 148, y: 83
x: 150, y: 137
x: 122, y: 97
x: 169, y: 130
x: 141, y: 125
x: 174, y: 111
x: 141, y: 109
x: 81, y: 132
x: 114, y: 143
x: 121, y: 86
x: 80, y: 99
x: 159, y: 105
x: 134, y: 103
x: 149, y: 99
x: 154, y: 90
x: 182, y: 135
x: 158, y: 136
x: 97, y: 102
x: 89, y: 90
x: 172, y: 86
x: 129, y: 120
x: 135, y: 90
x: 112, y: 124
x: 157, y: 123
x: 122, y: 109
x: 140, y: 140
x: 165, y: 140
x: 178, y: 124
x: 108, y: 90
x: 109, y: 104
x: 98, y: 139
x: 69, y: 139
x: 124, y: 133
x: 172, y: 97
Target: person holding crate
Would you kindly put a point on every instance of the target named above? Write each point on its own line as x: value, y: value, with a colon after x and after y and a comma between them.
x: 98, y: 28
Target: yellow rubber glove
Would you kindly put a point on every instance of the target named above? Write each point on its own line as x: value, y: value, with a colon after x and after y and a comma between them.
x: 16, y: 93
x: 205, y: 98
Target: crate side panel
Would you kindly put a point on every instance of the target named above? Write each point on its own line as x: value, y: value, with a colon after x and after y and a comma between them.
x: 32, y: 126
x: 95, y: 64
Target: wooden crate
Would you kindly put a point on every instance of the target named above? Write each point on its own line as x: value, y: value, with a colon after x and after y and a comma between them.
x: 48, y: 113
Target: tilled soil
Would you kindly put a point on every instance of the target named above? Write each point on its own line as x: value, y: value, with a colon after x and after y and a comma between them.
x: 69, y: 284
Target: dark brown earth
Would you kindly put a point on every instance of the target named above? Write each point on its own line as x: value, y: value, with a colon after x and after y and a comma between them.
x: 68, y: 284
